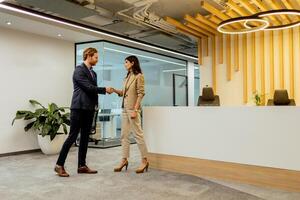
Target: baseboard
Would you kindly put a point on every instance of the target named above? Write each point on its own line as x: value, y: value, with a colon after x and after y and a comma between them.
x: 250, y: 174
x: 19, y: 152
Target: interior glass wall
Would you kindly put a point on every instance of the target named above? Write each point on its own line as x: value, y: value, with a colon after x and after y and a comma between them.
x: 196, y: 83
x: 165, y: 83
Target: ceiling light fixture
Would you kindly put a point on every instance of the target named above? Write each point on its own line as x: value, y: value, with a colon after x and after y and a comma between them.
x: 173, y: 70
x: 8, y: 23
x: 70, y: 24
x: 281, y: 12
x: 143, y: 56
x: 245, y: 20
x: 59, y: 35
x: 260, y: 17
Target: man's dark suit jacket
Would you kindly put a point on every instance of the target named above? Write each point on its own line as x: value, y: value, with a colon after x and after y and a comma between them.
x: 85, y: 94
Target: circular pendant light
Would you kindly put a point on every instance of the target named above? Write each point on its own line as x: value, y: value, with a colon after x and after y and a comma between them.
x: 280, y: 12
x: 260, y: 18
x: 244, y: 20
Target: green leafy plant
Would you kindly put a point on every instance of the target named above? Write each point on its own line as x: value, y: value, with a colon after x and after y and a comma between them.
x: 46, y: 121
x: 257, y: 97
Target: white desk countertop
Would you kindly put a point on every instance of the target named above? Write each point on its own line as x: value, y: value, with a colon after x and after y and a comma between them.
x: 263, y: 136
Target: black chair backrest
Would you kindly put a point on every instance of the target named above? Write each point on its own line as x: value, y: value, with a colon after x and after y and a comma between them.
x: 281, y: 98
x: 208, y: 98
x: 208, y: 94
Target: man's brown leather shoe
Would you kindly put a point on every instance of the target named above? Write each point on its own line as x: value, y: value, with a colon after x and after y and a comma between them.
x: 61, y: 171
x: 86, y: 170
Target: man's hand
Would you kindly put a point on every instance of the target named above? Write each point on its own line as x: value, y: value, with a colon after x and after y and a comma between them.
x: 109, y: 90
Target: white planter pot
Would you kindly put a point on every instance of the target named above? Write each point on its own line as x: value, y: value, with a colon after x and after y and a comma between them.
x: 51, y: 147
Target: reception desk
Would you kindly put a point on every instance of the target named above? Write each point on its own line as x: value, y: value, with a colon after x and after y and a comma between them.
x: 257, y: 145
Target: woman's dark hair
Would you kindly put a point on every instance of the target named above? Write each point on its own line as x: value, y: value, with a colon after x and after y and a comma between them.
x: 136, y: 69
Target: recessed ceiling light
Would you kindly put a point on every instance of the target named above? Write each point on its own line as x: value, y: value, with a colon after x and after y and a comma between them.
x: 8, y: 23
x: 59, y: 35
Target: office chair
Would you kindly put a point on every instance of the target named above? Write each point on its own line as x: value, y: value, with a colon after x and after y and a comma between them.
x: 281, y: 98
x: 92, y: 131
x: 208, y: 98
x: 105, y: 118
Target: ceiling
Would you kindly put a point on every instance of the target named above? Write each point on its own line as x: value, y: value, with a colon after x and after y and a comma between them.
x: 41, y: 28
x: 111, y: 15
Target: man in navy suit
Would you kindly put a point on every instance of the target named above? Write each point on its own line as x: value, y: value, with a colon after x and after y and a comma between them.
x: 84, y: 102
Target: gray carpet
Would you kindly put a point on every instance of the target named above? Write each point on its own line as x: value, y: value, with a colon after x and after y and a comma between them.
x: 31, y: 177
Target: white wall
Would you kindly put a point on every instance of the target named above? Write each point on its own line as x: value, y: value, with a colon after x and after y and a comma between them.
x: 231, y: 92
x: 32, y: 67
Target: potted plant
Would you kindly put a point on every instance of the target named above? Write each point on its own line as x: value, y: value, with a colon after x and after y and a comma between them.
x: 47, y: 122
x: 258, y: 98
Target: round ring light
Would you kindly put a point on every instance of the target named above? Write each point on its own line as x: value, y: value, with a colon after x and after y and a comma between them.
x: 245, y: 20
x: 280, y: 12
x: 261, y: 18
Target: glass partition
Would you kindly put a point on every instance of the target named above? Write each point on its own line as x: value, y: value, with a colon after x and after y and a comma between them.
x: 159, y: 72
x: 196, y: 83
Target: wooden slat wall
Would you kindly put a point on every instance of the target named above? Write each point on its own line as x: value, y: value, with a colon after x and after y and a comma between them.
x: 204, y: 27
x: 292, y: 67
x: 236, y: 53
x: 281, y: 61
x: 271, y: 64
x: 245, y: 70
x: 253, y: 67
x: 262, y: 68
x: 228, y: 56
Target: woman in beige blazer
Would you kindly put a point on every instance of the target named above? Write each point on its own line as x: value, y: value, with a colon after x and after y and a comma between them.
x: 132, y: 93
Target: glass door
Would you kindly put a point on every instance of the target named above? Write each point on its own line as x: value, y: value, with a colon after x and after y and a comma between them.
x: 180, y: 88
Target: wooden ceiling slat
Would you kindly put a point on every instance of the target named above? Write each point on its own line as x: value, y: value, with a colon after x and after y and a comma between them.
x: 190, y: 19
x: 237, y: 8
x: 276, y: 6
x: 263, y: 7
x: 248, y: 6
x: 198, y: 29
x: 202, y: 19
x: 288, y: 5
x: 183, y: 28
x: 216, y: 12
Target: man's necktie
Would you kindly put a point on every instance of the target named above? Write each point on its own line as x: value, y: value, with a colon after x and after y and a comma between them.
x: 92, y: 74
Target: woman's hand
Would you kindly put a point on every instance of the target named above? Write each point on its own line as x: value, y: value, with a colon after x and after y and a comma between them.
x: 133, y: 115
x: 109, y: 90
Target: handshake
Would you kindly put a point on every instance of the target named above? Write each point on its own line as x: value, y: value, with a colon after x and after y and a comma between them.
x: 110, y: 90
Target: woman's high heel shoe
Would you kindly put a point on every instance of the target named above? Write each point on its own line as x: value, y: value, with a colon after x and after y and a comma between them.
x: 118, y: 169
x: 139, y: 171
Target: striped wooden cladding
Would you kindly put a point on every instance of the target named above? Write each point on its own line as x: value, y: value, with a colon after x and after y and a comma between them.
x: 228, y: 56
x: 236, y: 53
x: 214, y: 64
x: 271, y: 64
x: 258, y: 53
x: 281, y: 61
x: 221, y: 49
x: 245, y: 70
x: 206, y: 47
x: 277, y: 66
x: 200, y: 56
x: 291, y: 59
x: 253, y: 67
x: 262, y: 68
